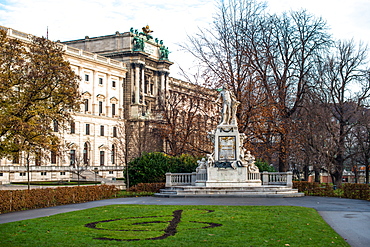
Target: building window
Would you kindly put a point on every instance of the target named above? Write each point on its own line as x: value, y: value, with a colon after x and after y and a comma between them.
x: 22, y: 174
x: 16, y: 159
x: 110, y: 172
x: 38, y: 158
x: 1, y: 174
x: 53, y: 157
x: 43, y: 173
x: 55, y: 126
x: 113, y: 155
x: 114, y: 131
x: 62, y: 173
x: 86, y: 103
x: 72, y: 157
x: 101, y: 158
x: 113, y: 109
x: 87, y: 129
x: 73, y: 127
x: 86, y: 77
x: 100, y: 81
x: 102, y: 130
x: 100, y: 107
x: 86, y: 153
x: 113, y: 83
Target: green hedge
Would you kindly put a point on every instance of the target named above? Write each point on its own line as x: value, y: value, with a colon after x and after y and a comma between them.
x: 356, y: 191
x: 348, y: 190
x: 152, y: 167
x: 17, y: 200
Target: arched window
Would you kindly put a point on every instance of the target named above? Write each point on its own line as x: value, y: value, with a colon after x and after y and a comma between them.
x: 86, y: 153
x: 113, y: 154
x: 86, y: 96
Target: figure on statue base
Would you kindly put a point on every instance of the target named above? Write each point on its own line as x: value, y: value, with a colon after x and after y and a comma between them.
x: 229, y: 107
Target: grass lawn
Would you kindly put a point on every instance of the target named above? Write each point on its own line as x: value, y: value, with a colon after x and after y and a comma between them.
x: 151, y: 225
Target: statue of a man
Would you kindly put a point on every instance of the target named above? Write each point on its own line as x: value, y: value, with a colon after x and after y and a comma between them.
x: 229, y: 106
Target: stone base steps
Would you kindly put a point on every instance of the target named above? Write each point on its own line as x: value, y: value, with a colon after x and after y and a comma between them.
x: 261, y: 191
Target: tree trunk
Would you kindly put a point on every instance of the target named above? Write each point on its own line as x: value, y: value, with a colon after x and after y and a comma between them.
x: 337, y: 177
x: 283, y: 163
x: 28, y: 171
x: 317, y: 175
x: 306, y: 172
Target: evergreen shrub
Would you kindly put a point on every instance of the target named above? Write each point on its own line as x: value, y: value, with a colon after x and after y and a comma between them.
x: 264, y: 166
x: 152, y: 167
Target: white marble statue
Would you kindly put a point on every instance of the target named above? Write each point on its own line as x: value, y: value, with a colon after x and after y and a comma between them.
x: 202, y: 164
x: 229, y: 107
x: 210, y: 159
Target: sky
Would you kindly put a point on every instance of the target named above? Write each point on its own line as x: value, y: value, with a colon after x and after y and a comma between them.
x: 171, y: 20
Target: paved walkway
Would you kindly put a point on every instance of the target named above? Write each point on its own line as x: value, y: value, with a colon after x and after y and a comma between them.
x: 349, y: 218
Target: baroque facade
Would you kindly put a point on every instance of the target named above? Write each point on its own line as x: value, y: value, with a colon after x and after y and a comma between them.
x: 121, y: 79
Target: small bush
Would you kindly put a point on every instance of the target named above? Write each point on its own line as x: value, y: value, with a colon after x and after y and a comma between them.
x: 264, y: 166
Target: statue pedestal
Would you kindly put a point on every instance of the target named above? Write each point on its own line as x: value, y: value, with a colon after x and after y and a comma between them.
x: 227, y: 143
x: 228, y: 166
x: 229, y: 177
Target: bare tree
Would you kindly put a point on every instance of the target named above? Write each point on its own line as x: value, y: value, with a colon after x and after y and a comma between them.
x: 338, y: 74
x: 266, y: 61
x: 124, y: 144
x: 361, y: 134
x: 291, y: 46
x: 186, y: 114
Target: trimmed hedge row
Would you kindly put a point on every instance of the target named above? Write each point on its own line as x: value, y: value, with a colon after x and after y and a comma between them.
x: 347, y: 190
x: 147, y: 187
x: 17, y: 200
x: 356, y: 191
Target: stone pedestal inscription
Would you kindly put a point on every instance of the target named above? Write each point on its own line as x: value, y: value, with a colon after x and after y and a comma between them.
x: 227, y: 148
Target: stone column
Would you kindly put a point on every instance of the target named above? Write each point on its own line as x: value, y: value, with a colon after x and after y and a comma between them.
x: 155, y: 89
x: 143, y: 84
x: 166, y: 81
x: 137, y: 84
x: 265, y: 178
x: 162, y: 81
x: 289, y: 179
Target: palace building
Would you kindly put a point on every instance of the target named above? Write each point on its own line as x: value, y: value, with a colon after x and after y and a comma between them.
x: 122, y: 78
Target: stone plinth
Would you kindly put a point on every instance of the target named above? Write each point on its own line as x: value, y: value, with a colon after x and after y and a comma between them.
x: 229, y: 177
x: 227, y: 141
